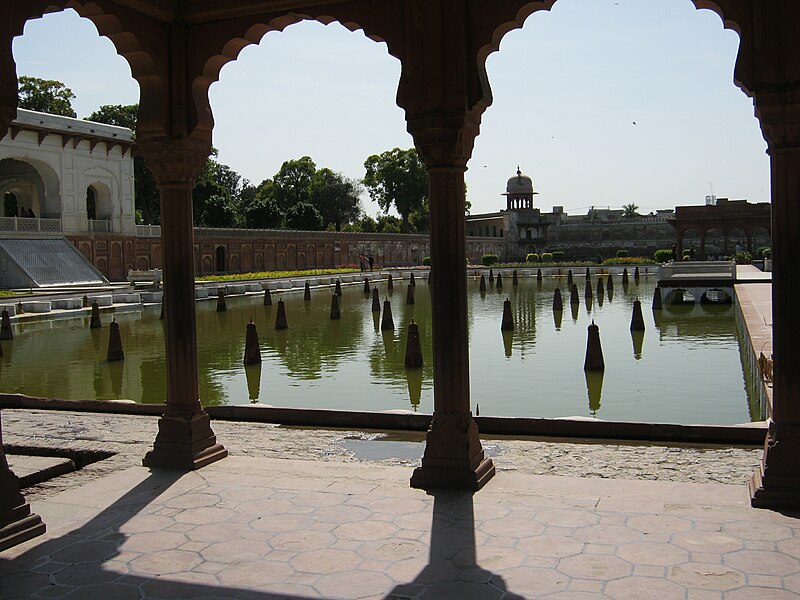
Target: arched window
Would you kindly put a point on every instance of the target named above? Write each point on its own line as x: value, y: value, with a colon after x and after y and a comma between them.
x: 91, y: 203
x: 220, y: 259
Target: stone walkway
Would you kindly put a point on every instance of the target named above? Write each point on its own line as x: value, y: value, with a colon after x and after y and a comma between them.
x: 130, y: 437
x: 269, y: 529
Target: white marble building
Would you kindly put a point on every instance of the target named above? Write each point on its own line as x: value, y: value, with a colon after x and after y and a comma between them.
x: 65, y: 176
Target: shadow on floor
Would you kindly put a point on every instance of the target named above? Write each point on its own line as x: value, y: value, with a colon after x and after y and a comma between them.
x: 78, y: 564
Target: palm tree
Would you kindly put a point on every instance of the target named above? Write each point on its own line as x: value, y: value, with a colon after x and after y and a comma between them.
x: 629, y: 210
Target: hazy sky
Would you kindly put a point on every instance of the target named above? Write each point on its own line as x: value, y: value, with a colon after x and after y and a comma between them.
x: 601, y: 102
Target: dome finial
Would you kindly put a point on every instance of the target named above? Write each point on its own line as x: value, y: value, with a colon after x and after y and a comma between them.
x: 519, y: 172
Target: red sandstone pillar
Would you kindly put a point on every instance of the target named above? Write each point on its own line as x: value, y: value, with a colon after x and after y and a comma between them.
x: 776, y: 484
x: 185, y: 439
x: 17, y: 522
x: 454, y: 456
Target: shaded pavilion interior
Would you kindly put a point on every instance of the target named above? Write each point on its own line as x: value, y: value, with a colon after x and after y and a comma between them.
x: 176, y: 49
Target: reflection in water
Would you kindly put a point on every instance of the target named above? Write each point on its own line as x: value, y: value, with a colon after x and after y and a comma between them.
x: 508, y: 338
x: 594, y: 388
x: 414, y: 382
x: 115, y: 370
x: 253, y: 375
x: 347, y: 364
x: 638, y: 340
x: 589, y: 303
x: 574, y: 309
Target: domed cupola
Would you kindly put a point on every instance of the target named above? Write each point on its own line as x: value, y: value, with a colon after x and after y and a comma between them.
x: 519, y: 192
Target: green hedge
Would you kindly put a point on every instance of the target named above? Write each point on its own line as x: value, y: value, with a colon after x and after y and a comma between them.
x: 532, y: 258
x: 663, y: 256
x: 635, y: 260
x: 426, y: 262
x: 489, y: 259
x: 558, y: 256
x: 547, y: 257
x: 622, y: 254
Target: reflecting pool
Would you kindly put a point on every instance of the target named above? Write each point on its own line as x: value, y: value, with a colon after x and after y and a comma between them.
x: 685, y: 368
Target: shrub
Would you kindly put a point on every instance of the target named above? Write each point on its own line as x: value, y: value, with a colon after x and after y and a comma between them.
x: 489, y: 259
x: 558, y: 256
x: 426, y: 262
x: 547, y: 257
x: 622, y: 254
x: 532, y: 257
x: 743, y: 258
x: 663, y: 256
x: 764, y: 252
x: 636, y: 260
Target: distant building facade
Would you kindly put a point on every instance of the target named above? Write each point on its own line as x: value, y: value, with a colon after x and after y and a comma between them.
x: 520, y: 229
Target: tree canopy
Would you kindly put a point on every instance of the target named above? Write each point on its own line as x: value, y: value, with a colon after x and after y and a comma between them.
x: 397, y: 178
x: 629, y: 210
x: 45, y: 95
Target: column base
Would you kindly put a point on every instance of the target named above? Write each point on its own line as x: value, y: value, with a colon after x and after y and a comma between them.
x: 454, y: 458
x: 184, y: 443
x: 19, y: 525
x: 766, y: 493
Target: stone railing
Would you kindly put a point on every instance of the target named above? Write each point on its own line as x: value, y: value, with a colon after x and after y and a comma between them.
x: 148, y: 231
x: 25, y: 224
x: 99, y: 225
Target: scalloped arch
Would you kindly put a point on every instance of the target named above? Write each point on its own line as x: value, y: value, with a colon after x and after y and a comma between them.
x: 252, y: 36
x: 723, y: 8
x: 128, y: 46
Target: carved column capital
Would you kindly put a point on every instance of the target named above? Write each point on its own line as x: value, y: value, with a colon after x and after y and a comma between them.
x: 175, y: 162
x: 779, y: 114
x: 444, y: 140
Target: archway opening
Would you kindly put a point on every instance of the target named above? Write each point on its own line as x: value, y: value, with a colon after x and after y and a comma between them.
x: 220, y: 255
x: 310, y: 79
x: 22, y: 187
x: 641, y: 86
x: 91, y: 203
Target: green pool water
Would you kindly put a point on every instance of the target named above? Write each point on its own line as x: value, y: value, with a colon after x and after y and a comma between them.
x: 685, y: 369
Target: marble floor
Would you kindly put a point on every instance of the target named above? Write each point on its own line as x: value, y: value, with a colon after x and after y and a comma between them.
x: 268, y: 529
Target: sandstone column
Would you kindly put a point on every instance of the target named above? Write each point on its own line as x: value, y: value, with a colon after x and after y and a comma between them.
x: 17, y: 522
x: 185, y: 439
x: 777, y: 482
x: 454, y: 456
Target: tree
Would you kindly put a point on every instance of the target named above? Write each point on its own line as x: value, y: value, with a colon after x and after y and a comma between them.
x: 216, y: 194
x: 45, y: 95
x: 397, y: 178
x: 304, y: 216
x: 294, y: 182
x: 145, y: 190
x: 629, y: 211
x: 388, y: 224
x: 336, y: 198
x: 116, y: 114
x: 262, y: 212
